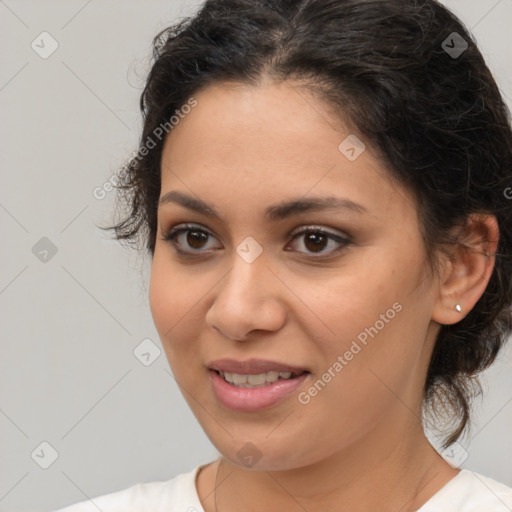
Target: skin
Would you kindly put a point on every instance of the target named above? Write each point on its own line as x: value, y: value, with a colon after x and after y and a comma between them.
x: 241, y: 149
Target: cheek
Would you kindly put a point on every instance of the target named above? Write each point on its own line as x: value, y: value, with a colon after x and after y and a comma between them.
x: 371, y: 382
x: 378, y: 316
x: 175, y: 305
x: 162, y: 300
x: 367, y: 296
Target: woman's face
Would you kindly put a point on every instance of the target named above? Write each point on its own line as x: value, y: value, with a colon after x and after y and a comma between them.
x: 351, y: 308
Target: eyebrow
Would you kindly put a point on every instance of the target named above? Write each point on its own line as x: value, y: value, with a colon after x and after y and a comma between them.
x: 276, y: 212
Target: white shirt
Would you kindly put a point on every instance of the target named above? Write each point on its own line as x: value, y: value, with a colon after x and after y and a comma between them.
x: 466, y: 492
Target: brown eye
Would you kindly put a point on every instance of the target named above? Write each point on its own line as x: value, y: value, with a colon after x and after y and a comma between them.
x: 196, y: 238
x: 188, y: 238
x: 193, y: 241
x: 315, y: 240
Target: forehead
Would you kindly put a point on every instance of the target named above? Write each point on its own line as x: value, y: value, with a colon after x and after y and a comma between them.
x: 254, y: 143
x: 281, y: 118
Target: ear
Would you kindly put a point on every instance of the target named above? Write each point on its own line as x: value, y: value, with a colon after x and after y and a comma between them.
x: 466, y: 270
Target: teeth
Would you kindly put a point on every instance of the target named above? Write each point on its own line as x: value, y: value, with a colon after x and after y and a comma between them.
x: 237, y: 379
x: 257, y: 380
x: 253, y: 381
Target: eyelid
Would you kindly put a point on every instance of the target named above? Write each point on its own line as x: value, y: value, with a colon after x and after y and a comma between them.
x: 313, y: 227
x: 183, y: 228
x: 300, y: 229
x: 187, y: 225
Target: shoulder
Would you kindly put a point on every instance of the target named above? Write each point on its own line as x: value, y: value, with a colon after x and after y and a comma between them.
x: 177, y: 494
x: 471, y: 492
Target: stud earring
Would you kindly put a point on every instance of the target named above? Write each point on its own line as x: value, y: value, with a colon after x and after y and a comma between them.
x: 458, y: 308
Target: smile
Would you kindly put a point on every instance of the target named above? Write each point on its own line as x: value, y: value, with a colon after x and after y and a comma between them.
x: 256, y: 380
x: 254, y: 392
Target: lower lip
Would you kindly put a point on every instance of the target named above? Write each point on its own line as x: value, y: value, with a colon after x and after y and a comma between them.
x: 253, y: 399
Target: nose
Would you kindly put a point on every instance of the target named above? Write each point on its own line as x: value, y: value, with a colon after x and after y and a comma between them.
x: 248, y: 298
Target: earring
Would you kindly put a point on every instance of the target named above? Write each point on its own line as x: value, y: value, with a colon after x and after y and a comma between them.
x: 458, y: 308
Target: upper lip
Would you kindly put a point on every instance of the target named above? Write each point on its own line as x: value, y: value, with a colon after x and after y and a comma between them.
x: 252, y: 366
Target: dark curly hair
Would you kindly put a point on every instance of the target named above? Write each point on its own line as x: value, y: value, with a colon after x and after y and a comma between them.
x: 396, y: 71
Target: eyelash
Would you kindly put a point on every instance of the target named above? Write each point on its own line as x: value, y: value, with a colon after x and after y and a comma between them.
x: 174, y: 231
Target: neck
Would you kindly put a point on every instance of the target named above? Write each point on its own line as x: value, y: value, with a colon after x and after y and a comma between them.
x: 390, y: 469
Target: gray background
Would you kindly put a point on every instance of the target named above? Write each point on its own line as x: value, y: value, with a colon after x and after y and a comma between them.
x: 71, y: 323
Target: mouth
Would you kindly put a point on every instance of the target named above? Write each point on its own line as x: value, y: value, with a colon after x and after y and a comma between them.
x: 254, y: 384
x: 257, y: 380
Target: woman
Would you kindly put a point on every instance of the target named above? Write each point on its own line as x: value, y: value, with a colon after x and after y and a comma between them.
x: 322, y: 185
